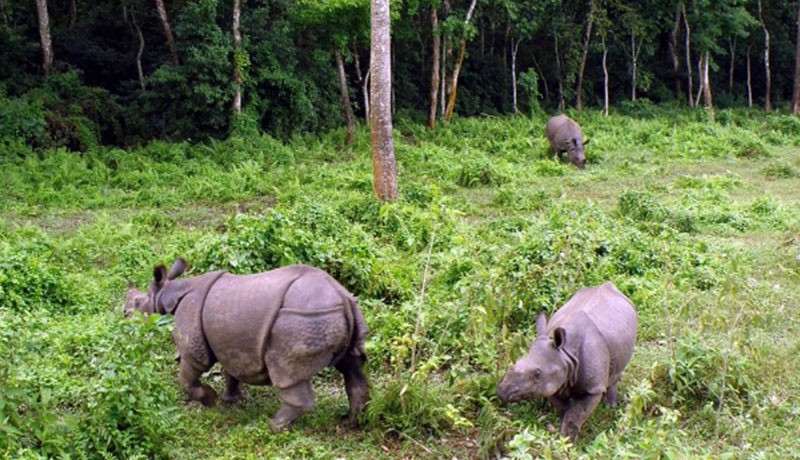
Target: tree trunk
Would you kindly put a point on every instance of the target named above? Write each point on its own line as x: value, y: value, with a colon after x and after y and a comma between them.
x: 541, y: 78
x: 362, y: 81
x: 366, y: 90
x: 688, y: 56
x: 796, y: 92
x: 514, y: 49
x: 634, y: 61
x: 140, y: 51
x: 605, y: 78
x: 586, y: 37
x: 561, y: 104
x: 451, y: 104
x: 749, y: 81
x: 767, y: 73
x: 73, y: 14
x: 162, y: 16
x: 383, y: 161
x: 345, y: 94
x: 44, y: 36
x: 700, y: 86
x: 732, y: 50
x: 443, y: 77
x: 673, y: 51
x: 707, y: 88
x: 435, y: 61
x: 237, y: 49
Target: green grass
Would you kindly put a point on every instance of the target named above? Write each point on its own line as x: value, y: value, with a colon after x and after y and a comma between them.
x: 698, y: 224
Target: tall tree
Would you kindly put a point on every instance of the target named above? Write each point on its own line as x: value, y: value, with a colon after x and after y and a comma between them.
x: 796, y: 91
x: 767, y: 72
x: 435, y: 61
x: 237, y: 58
x: 44, y: 36
x: 462, y: 51
x: 162, y: 16
x: 344, y: 92
x: 383, y: 161
x: 673, y: 50
x: 587, y: 36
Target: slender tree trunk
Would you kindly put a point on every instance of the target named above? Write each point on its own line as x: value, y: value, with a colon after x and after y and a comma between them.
x: 162, y: 16
x: 345, y: 94
x: 237, y: 49
x: 443, y: 77
x: 451, y: 104
x: 587, y: 36
x: 688, y: 39
x: 366, y: 91
x: 561, y: 103
x: 605, y: 78
x: 4, y: 12
x: 749, y: 81
x: 700, y: 80
x: 635, y: 50
x: 514, y: 49
x: 435, y: 61
x: 673, y: 51
x: 732, y: 50
x: 796, y: 92
x: 541, y: 77
x: 73, y: 14
x: 767, y: 72
x: 707, y: 88
x: 44, y: 36
x: 383, y: 161
x: 140, y: 50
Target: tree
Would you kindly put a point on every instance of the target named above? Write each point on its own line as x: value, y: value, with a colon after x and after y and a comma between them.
x: 767, y: 73
x: 44, y: 36
x: 796, y: 91
x: 383, y: 161
x: 435, y: 61
x: 448, y: 114
x: 162, y: 16
x: 238, y: 62
x: 586, y: 37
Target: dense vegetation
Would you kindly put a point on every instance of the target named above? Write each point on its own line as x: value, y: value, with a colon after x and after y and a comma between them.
x: 697, y: 223
x: 116, y: 81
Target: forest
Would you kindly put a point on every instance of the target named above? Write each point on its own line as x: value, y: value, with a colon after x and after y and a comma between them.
x: 241, y: 136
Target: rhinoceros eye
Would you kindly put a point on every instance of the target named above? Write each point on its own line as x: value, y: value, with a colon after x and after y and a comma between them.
x: 537, y: 373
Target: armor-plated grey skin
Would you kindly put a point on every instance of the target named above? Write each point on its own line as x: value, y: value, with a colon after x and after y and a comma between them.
x: 279, y: 327
x: 565, y: 136
x: 577, y: 357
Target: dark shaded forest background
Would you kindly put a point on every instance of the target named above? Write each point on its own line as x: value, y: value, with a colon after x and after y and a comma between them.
x: 95, y: 93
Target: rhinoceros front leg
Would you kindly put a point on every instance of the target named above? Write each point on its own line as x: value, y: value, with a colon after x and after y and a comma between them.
x: 356, y: 385
x: 190, y: 373
x: 296, y: 399
x: 233, y: 390
x: 577, y: 413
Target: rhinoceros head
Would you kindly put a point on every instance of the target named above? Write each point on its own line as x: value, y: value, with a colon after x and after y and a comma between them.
x: 576, y: 152
x: 151, y: 302
x: 544, y: 371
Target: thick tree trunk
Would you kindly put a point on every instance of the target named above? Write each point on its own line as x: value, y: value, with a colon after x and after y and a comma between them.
x: 796, y: 92
x: 383, y: 161
x: 435, y: 61
x: 673, y: 51
x: 237, y: 48
x: 707, y: 88
x: 162, y: 16
x: 688, y: 39
x: 749, y: 81
x: 514, y: 49
x: 345, y: 94
x: 587, y: 36
x: 462, y: 52
x: 605, y: 78
x: 767, y: 72
x: 44, y: 36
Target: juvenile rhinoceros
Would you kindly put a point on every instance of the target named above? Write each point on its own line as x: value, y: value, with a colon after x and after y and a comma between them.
x: 279, y: 327
x: 565, y: 136
x: 577, y: 356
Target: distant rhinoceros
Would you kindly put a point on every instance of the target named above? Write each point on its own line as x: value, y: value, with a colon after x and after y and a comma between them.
x: 565, y: 136
x: 577, y: 357
x: 280, y: 327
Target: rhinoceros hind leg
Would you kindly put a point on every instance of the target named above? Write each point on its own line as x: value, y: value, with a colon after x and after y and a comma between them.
x: 296, y: 400
x: 233, y: 391
x: 190, y: 373
x: 610, y: 398
x: 355, y: 383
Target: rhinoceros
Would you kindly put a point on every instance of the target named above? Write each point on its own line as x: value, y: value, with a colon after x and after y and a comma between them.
x: 280, y: 327
x: 578, y: 356
x: 565, y: 136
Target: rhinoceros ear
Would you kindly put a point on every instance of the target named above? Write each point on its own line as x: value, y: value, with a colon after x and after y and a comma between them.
x: 559, y: 337
x: 178, y: 267
x: 159, y: 274
x: 541, y: 324
x: 586, y: 141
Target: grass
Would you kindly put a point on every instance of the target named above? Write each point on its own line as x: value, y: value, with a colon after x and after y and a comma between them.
x: 696, y: 223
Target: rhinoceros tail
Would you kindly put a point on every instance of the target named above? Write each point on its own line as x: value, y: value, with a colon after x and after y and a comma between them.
x: 359, y: 330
